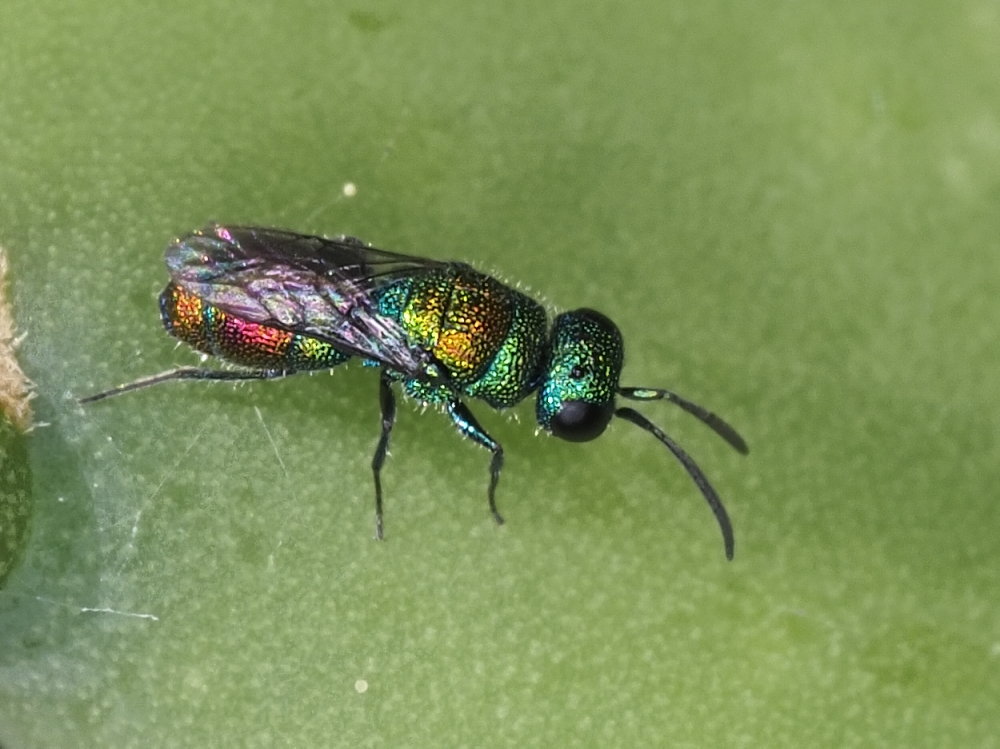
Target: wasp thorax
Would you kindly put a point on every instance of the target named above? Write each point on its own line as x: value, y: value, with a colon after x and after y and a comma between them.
x: 576, y: 397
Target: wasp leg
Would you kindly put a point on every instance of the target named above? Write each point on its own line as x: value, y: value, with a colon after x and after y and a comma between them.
x: 387, y: 403
x: 470, y: 428
x: 188, y: 373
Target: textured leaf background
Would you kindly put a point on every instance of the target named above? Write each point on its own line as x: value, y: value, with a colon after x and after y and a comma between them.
x: 790, y: 209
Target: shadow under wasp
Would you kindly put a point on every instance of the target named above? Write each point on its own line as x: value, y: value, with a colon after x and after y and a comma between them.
x: 276, y: 302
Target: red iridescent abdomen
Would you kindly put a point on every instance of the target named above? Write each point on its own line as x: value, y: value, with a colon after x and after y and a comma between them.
x: 214, y: 331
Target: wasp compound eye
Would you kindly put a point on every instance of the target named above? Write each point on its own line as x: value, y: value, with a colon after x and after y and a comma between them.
x: 579, y: 421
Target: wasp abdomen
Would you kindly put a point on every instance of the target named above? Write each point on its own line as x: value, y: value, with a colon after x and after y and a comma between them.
x: 210, y: 330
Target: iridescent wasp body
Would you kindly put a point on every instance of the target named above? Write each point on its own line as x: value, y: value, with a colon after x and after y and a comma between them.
x: 275, y: 303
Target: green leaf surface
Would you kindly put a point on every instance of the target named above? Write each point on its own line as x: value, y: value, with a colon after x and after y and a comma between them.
x: 788, y: 208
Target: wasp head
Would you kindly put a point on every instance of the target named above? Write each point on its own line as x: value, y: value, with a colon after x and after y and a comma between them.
x: 576, y: 399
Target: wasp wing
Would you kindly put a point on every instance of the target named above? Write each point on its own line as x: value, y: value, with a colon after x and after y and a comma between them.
x: 305, y: 284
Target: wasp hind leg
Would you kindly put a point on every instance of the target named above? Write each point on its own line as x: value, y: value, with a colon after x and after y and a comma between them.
x: 188, y: 373
x: 469, y: 428
x: 387, y: 405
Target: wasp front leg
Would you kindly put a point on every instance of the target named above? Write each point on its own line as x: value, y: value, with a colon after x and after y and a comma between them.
x: 469, y: 428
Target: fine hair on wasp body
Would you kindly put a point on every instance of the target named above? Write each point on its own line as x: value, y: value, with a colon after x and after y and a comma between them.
x: 275, y: 303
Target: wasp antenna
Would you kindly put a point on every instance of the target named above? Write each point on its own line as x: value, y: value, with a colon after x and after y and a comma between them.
x: 184, y: 373
x: 630, y: 414
x: 716, y: 423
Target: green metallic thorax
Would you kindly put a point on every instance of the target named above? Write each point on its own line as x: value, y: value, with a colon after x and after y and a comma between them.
x: 490, y: 339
